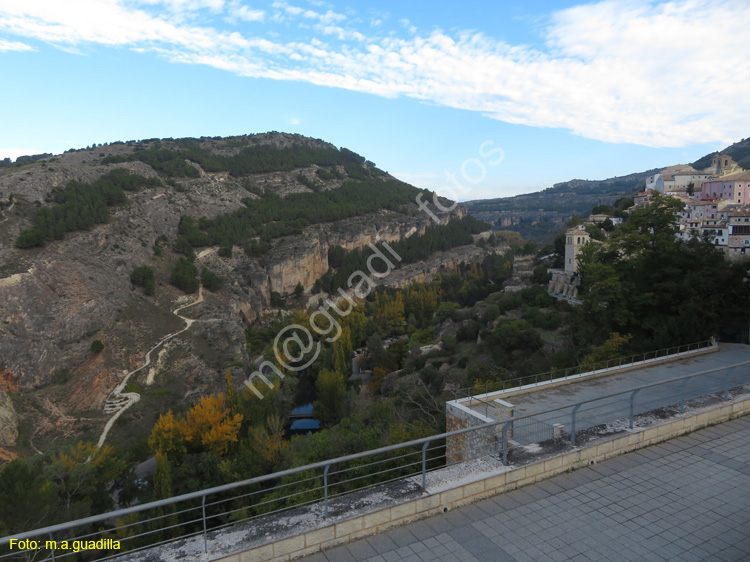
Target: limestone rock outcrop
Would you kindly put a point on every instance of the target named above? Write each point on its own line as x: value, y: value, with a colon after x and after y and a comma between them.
x: 8, y: 421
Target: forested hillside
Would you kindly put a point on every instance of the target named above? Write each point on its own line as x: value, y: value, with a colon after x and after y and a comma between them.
x: 739, y: 151
x: 109, y: 250
x: 539, y: 216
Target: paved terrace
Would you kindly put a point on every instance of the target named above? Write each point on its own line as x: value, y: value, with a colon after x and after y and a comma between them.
x: 579, y: 390
x: 686, y: 499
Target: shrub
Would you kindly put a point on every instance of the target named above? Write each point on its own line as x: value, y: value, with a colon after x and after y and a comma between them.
x: 540, y: 275
x: 468, y: 331
x: 225, y: 251
x: 182, y: 246
x: 144, y: 276
x: 211, y: 280
x: 184, y: 276
x: 97, y: 346
x: 276, y: 299
x: 141, y: 275
x: 490, y: 313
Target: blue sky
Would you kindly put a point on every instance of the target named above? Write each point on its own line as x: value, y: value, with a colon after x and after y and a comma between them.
x: 565, y: 89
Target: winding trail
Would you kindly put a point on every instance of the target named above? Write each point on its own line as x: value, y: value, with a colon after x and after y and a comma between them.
x: 5, y: 217
x: 119, y: 401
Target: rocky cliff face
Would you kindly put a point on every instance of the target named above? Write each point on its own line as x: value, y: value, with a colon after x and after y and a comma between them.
x: 304, y: 259
x: 54, y: 301
x: 8, y: 421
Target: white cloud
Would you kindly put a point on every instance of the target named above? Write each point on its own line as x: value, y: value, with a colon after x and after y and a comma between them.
x: 407, y: 24
x: 660, y: 74
x: 295, y: 121
x: 14, y: 46
x: 245, y: 13
x: 185, y: 5
x: 340, y: 33
x: 328, y: 18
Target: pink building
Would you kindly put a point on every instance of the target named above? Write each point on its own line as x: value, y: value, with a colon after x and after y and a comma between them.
x: 734, y: 188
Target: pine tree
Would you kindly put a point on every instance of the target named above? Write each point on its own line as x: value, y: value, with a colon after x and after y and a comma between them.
x: 163, y: 490
x: 330, y: 389
x: 342, y: 352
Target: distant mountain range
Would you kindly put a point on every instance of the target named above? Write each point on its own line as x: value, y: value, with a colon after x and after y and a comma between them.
x: 541, y: 215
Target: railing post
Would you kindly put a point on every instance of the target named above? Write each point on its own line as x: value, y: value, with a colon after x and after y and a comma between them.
x: 424, y: 465
x: 682, y: 402
x: 573, y: 425
x: 505, y: 442
x: 632, y: 407
x: 325, y: 491
x: 205, y: 537
x: 726, y: 386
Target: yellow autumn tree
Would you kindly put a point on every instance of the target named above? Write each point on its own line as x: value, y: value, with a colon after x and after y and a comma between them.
x: 613, y: 348
x: 388, y: 312
x: 356, y: 322
x: 378, y: 374
x: 267, y: 440
x: 209, y: 426
x: 342, y: 352
x: 168, y: 435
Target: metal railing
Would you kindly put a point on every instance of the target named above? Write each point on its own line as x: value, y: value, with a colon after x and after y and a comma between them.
x: 316, y: 492
x: 562, y: 374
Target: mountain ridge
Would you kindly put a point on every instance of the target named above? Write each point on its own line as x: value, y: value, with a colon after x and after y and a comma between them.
x: 57, y: 298
x: 542, y: 214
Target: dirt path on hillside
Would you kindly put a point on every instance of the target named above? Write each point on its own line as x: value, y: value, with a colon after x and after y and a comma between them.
x: 119, y: 401
x: 5, y: 217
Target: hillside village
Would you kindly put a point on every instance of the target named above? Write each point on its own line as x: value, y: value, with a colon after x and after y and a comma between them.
x: 716, y: 209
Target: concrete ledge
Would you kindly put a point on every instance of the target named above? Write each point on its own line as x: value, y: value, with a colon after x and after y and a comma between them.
x: 431, y: 504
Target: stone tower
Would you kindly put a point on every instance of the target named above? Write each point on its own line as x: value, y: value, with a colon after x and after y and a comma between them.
x: 575, y: 239
x: 723, y: 165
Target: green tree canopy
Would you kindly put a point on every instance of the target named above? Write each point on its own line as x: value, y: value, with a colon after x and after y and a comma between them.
x: 184, y: 276
x: 647, y: 283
